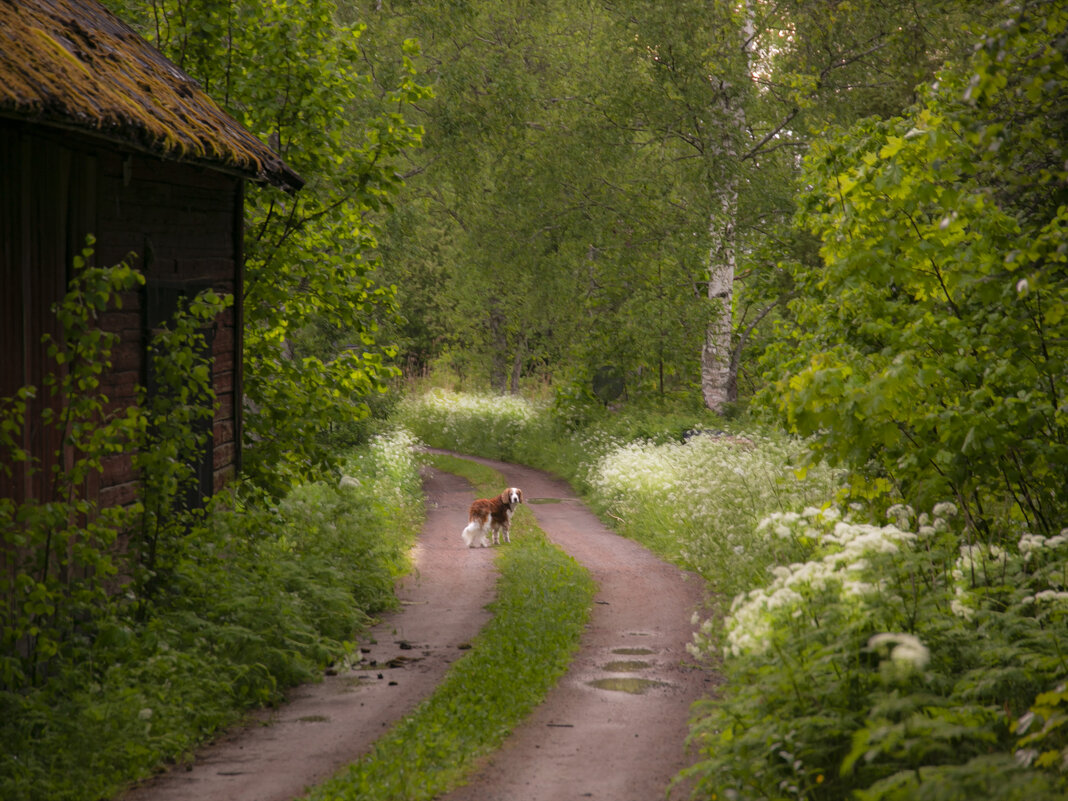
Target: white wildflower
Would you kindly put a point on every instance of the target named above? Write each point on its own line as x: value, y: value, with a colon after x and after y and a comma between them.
x: 1025, y: 756
x: 908, y: 650
x: 1051, y: 595
x: 944, y: 510
x: 859, y: 589
x: 1030, y: 544
x: 901, y: 514
x: 958, y: 608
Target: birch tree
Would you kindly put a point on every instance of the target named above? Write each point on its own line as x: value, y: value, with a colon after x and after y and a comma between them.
x: 745, y: 87
x: 719, y: 376
x: 611, y: 185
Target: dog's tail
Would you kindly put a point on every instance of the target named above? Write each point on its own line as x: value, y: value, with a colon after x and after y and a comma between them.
x: 472, y: 533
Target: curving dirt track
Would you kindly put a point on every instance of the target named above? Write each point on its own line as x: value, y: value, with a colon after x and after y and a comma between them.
x: 585, y: 740
x: 613, y: 728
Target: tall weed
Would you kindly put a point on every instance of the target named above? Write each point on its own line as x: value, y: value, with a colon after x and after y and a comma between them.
x: 695, y: 501
x: 493, y: 426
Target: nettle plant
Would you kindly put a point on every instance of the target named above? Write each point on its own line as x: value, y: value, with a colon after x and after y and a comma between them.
x: 62, y: 548
x: 894, y: 663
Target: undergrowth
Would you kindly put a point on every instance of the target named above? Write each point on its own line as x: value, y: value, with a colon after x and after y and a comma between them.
x: 689, y: 486
x: 893, y: 664
x: 864, y: 659
x: 262, y: 597
x: 542, y: 605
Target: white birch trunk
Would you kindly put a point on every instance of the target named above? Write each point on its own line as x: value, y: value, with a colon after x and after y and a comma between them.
x: 719, y: 379
x: 718, y: 384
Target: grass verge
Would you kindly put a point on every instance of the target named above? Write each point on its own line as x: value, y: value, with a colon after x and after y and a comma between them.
x: 543, y: 603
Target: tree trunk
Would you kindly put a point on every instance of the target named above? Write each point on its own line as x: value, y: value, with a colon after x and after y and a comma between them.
x: 719, y: 381
x: 517, y: 366
x: 719, y: 369
x: 499, y: 352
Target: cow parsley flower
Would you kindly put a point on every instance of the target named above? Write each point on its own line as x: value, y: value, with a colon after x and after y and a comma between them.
x: 907, y: 650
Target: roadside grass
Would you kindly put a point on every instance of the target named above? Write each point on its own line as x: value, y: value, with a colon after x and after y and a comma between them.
x: 693, y: 499
x: 542, y: 606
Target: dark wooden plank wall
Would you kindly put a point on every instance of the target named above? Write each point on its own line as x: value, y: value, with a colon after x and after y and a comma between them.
x: 182, y: 223
x: 47, y: 198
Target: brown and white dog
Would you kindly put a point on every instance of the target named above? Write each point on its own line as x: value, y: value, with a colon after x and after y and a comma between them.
x: 490, y: 519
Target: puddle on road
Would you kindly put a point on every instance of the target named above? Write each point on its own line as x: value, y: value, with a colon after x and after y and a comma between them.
x: 626, y: 685
x: 632, y: 651
x: 627, y: 666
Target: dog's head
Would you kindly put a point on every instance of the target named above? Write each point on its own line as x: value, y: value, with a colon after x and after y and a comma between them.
x: 513, y: 496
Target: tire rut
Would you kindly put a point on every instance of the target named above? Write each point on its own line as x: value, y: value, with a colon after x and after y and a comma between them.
x: 615, y: 726
x: 322, y: 727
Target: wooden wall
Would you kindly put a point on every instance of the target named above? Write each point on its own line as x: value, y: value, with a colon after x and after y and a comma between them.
x: 183, y: 225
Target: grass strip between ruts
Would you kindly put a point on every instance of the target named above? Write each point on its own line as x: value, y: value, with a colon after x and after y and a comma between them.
x: 543, y: 603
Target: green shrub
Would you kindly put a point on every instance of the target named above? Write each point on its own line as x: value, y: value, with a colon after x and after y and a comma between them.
x: 58, y: 548
x: 260, y: 598
x: 929, y: 345
x: 694, y: 498
x: 894, y: 664
x: 493, y: 426
x: 698, y: 503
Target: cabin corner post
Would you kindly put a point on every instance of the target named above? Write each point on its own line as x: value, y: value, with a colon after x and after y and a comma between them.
x: 239, y: 325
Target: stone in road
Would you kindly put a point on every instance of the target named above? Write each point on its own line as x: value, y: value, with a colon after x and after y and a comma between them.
x: 593, y: 737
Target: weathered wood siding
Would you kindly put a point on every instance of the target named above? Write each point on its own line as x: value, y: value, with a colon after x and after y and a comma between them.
x: 181, y: 222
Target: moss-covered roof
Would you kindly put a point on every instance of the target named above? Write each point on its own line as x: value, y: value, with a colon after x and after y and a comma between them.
x: 74, y: 65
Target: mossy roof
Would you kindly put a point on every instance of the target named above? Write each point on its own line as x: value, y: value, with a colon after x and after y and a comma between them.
x: 72, y: 64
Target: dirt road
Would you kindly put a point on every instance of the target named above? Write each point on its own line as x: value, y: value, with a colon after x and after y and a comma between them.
x: 615, y: 725
x: 613, y: 728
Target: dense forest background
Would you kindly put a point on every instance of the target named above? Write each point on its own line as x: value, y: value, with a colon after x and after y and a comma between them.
x: 608, y: 191
x: 850, y: 212
x: 603, y: 191
x: 840, y: 222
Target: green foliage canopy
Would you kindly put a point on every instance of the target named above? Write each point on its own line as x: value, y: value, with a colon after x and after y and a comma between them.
x: 930, y: 348
x: 290, y: 72
x: 581, y: 160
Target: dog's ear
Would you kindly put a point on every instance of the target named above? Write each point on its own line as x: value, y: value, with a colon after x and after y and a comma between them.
x: 519, y: 492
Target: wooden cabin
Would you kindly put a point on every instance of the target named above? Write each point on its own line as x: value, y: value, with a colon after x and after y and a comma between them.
x: 100, y: 134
